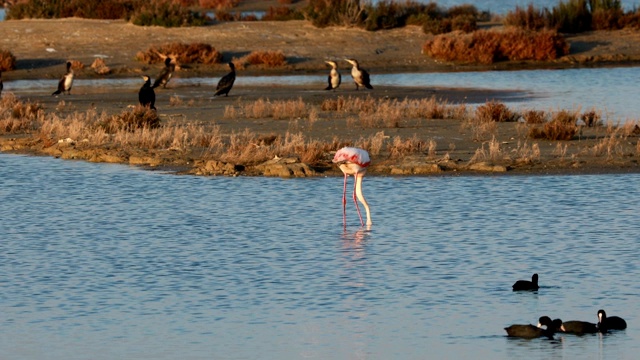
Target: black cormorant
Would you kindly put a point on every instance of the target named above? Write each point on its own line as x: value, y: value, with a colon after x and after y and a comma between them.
x: 360, y: 76
x: 65, y: 83
x: 334, y: 77
x: 226, y: 83
x: 165, y: 74
x: 1, y: 85
x: 146, y: 95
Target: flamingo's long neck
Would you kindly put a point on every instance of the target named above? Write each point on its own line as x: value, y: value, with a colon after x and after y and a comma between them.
x: 358, y: 179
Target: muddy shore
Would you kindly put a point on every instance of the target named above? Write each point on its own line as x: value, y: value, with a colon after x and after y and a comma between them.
x: 42, y: 46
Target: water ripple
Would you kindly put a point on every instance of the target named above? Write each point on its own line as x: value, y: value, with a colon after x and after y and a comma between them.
x: 147, y: 263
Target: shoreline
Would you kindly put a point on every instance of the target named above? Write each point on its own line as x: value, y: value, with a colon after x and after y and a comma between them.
x: 392, y: 51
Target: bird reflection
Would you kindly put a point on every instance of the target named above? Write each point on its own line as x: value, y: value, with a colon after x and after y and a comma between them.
x: 354, y: 243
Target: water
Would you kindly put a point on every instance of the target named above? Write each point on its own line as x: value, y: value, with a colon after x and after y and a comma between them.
x: 110, y: 262
x: 609, y: 90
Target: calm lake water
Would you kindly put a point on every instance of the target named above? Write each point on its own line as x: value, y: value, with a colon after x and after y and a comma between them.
x: 105, y: 261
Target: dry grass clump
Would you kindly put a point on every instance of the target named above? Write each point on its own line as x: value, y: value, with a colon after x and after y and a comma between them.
x: 592, y: 118
x: 183, y: 53
x: 17, y: 116
x: 487, y: 47
x: 534, y: 116
x: 140, y: 118
x: 100, y: 67
x: 7, y: 60
x: 530, y: 18
x: 266, y: 58
x: 494, y: 111
x: 373, y: 143
x: 615, y: 143
x: 391, y: 111
x: 561, y: 127
x: 402, y: 147
x: 76, y: 64
x: 492, y: 153
x: 248, y: 148
x: 265, y: 108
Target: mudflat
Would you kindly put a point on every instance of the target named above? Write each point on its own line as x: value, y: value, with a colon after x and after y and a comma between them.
x: 43, y: 46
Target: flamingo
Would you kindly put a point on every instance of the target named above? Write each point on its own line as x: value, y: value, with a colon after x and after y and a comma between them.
x: 353, y: 161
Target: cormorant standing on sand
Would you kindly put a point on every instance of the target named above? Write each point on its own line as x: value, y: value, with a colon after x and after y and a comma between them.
x: 226, y: 83
x: 360, y: 76
x: 65, y: 83
x: 165, y: 74
x: 1, y: 85
x: 334, y: 76
x: 146, y: 95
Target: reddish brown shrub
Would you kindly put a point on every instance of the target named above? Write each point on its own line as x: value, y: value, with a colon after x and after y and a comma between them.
x: 530, y: 18
x: 464, y: 23
x: 139, y: 118
x: 494, y: 111
x: 561, y: 127
x: 7, y: 61
x: 630, y: 20
x: 76, y: 64
x: 606, y: 19
x: 534, y: 116
x: 218, y: 4
x: 267, y: 58
x: 183, y: 53
x: 487, y: 47
x: 591, y: 118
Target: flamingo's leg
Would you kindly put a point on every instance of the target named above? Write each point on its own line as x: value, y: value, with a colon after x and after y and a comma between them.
x: 344, y: 201
x: 355, y: 201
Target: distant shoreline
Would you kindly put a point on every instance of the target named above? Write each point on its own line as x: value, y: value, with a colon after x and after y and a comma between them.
x: 42, y: 47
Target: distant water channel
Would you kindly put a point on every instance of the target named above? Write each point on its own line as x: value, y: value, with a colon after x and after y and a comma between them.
x: 105, y: 261
x: 613, y: 91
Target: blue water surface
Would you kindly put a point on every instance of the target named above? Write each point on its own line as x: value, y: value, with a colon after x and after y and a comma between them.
x: 105, y: 261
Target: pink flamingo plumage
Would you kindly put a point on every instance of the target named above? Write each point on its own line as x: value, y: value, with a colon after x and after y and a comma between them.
x: 353, y: 161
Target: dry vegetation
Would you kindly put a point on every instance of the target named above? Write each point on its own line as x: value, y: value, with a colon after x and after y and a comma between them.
x: 490, y: 46
x: 183, y: 53
x: 7, y: 60
x: 140, y: 130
